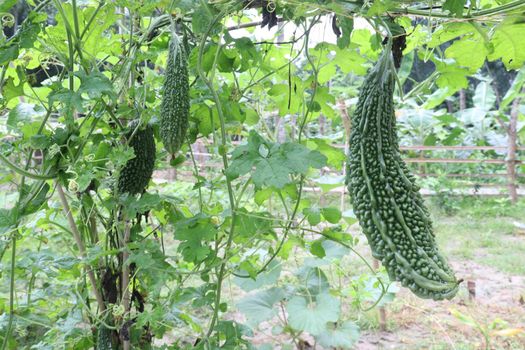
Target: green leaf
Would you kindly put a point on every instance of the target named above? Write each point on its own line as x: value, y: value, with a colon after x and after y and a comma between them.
x: 452, y: 138
x: 22, y: 114
x: 339, y: 335
x: 40, y: 141
x: 6, y: 5
x: 313, y: 215
x: 249, y: 224
x: 438, y: 97
x: 8, y: 54
x: 37, y: 201
x: 451, y: 76
x: 335, y: 157
x: 349, y: 217
x: 509, y: 45
x: 194, y: 233
x: 455, y: 7
x: 10, y: 90
x: 328, y: 182
x: 30, y: 29
x: 484, y: 96
x: 202, y: 17
x: 332, y: 215
x: 514, y: 89
x: 267, y: 277
x: 450, y: 31
x: 95, y: 84
x: 146, y: 202
x: 314, y: 279
x: 263, y: 195
x: 71, y: 100
x: 8, y: 219
x: 379, y: 7
x: 346, y: 24
x: 84, y: 180
x: 312, y: 317
x: 334, y: 250
x: 274, y: 163
x: 317, y: 249
x: 259, y: 307
x: 468, y: 52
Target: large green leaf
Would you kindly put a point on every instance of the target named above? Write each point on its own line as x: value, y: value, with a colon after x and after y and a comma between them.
x: 274, y: 163
x: 194, y: 233
x: 484, y: 96
x: 95, y: 84
x: 468, y: 52
x: 509, y: 45
x: 8, y: 219
x: 339, y: 335
x: 267, y: 277
x: 312, y: 317
x: 259, y: 307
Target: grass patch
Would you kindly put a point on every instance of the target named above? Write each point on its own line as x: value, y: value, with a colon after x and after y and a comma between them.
x: 482, y: 230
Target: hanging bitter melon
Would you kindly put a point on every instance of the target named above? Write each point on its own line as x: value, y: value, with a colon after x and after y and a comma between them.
x: 104, y: 338
x: 385, y: 197
x: 137, y: 172
x: 175, y: 106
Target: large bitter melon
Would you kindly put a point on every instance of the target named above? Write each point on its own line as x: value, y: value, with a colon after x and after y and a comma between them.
x: 385, y: 197
x: 175, y: 106
x: 137, y: 172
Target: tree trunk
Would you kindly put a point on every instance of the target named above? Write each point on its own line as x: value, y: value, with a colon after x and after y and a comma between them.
x: 511, y: 150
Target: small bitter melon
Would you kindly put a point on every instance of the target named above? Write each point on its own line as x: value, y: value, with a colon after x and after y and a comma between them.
x: 175, y: 105
x: 384, y: 194
x: 137, y: 172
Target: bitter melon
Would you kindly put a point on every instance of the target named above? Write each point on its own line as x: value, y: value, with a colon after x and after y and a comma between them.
x: 137, y: 172
x: 175, y: 106
x: 384, y: 194
x: 104, y: 338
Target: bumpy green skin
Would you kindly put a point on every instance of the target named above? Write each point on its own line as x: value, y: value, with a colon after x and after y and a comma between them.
x: 175, y: 107
x: 385, y: 196
x: 137, y: 172
x: 104, y: 339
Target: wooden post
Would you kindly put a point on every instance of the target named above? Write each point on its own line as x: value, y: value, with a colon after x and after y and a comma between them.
x: 511, y: 150
x: 462, y: 100
x: 382, y: 310
x: 347, y: 125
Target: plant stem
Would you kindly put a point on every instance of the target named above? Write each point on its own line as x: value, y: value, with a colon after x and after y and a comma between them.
x: 196, y: 171
x: 11, y: 291
x: 125, y: 280
x: 23, y: 172
x: 80, y: 245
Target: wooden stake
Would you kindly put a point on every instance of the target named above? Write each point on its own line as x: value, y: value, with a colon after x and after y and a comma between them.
x: 512, y: 133
x: 382, y: 310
